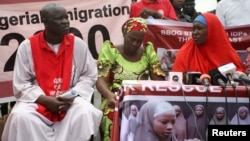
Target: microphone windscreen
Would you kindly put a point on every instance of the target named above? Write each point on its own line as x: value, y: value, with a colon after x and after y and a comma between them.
x: 236, y: 75
x: 206, y: 79
x: 203, y: 76
x: 240, y: 76
x: 245, y: 78
x: 215, y: 76
x: 227, y: 69
x: 191, y: 77
x: 240, y: 73
x: 221, y: 83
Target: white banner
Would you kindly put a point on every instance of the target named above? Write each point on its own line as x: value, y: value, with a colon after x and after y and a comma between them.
x: 96, y: 20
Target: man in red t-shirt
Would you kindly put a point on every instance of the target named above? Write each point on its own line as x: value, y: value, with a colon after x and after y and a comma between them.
x: 157, y: 9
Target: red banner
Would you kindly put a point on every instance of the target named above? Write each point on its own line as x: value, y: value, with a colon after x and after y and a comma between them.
x: 168, y: 36
x: 187, y: 97
x: 173, y: 34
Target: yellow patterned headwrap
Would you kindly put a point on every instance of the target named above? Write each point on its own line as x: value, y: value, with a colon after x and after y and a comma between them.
x: 134, y: 24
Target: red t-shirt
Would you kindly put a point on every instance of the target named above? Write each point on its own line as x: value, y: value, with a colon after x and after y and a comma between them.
x: 162, y: 6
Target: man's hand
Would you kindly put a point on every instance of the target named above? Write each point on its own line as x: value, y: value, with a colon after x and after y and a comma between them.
x: 146, y: 12
x: 55, y: 104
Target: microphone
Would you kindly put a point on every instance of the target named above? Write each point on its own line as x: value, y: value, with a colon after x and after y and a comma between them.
x: 242, y: 77
x: 205, y: 79
x: 192, y: 78
x: 221, y: 83
x: 217, y: 78
x: 175, y: 77
x: 227, y: 71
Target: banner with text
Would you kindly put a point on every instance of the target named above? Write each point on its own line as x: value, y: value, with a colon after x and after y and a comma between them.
x: 168, y: 36
x: 198, y: 107
x: 95, y: 21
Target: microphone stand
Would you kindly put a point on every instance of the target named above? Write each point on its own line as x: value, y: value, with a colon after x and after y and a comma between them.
x: 206, y: 84
x: 240, y: 77
x: 193, y: 112
x: 226, y: 103
x: 248, y: 92
x: 233, y: 84
x: 207, y: 104
x: 236, y: 99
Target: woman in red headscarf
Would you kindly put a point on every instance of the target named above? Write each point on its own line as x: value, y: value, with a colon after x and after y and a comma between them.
x: 130, y: 61
x: 208, y: 48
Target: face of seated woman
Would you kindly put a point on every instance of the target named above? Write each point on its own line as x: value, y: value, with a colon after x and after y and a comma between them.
x: 199, y: 33
x: 164, y: 123
x: 133, y: 40
x: 220, y: 113
x: 243, y: 113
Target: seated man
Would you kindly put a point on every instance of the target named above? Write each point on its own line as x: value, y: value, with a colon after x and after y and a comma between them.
x: 47, y: 65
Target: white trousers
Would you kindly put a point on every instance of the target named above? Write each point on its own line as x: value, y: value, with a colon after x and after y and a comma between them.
x: 26, y: 124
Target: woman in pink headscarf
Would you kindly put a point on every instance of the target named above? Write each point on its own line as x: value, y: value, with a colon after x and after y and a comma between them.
x: 197, y: 123
x: 156, y: 122
x: 180, y: 129
x: 242, y: 117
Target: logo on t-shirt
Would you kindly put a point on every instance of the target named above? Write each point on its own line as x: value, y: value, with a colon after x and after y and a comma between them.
x: 161, y: 11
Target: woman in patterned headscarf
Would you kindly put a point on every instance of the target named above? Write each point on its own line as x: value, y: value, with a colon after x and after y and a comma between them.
x: 129, y: 61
